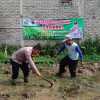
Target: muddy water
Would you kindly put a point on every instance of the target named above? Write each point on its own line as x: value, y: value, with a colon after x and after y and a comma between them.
x: 63, y: 88
x: 54, y: 93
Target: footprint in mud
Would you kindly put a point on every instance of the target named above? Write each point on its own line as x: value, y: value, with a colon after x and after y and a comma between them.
x: 41, y: 85
x: 45, y: 86
x: 7, y: 72
x: 4, y: 96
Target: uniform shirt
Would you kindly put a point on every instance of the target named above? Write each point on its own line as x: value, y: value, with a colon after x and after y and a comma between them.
x: 24, y: 54
x: 74, y: 51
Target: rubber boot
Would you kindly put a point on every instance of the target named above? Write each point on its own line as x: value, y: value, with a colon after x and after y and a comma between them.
x: 59, y: 74
x: 25, y: 79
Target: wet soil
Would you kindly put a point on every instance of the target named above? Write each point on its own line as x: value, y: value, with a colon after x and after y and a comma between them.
x: 85, y: 87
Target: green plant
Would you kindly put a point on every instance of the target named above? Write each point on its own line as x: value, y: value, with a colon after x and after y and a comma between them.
x: 91, y: 46
x: 3, y: 57
x: 9, y: 48
x: 50, y: 49
x: 91, y: 58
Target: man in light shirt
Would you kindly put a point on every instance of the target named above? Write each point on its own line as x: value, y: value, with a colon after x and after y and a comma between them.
x: 71, y: 59
x: 22, y: 59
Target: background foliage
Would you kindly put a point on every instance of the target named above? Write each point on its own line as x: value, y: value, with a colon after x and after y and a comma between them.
x: 90, y: 49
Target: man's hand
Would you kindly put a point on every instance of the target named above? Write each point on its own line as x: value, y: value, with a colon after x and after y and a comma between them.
x: 37, y: 73
x: 80, y: 63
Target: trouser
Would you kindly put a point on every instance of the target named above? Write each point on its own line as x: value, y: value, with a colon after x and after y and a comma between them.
x: 72, y: 65
x: 15, y: 69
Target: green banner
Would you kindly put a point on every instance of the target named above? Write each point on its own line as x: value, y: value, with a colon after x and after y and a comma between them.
x: 52, y: 29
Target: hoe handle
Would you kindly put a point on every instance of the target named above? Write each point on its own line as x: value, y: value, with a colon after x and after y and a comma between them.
x: 47, y: 80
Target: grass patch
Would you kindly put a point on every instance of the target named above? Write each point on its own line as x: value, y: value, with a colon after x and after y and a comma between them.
x: 48, y: 60
x: 4, y: 57
x: 91, y: 58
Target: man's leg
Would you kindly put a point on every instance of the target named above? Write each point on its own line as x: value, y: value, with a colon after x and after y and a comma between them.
x: 72, y: 68
x: 63, y: 63
x: 15, y: 72
x: 25, y: 69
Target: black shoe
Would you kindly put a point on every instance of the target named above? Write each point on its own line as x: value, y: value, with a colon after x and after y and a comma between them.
x: 25, y: 79
x: 59, y: 74
x: 13, y: 82
x: 73, y: 78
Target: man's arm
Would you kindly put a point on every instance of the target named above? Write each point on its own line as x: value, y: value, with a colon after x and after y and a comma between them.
x: 79, y: 52
x: 32, y: 65
x: 61, y: 49
x: 34, y: 68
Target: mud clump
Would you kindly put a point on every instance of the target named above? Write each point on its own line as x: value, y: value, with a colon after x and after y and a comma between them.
x: 96, y: 98
x: 28, y: 94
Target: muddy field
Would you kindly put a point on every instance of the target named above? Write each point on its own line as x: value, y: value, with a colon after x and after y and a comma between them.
x: 85, y: 87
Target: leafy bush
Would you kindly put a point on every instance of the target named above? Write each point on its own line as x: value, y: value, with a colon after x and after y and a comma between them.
x: 9, y: 48
x: 91, y: 58
x: 50, y: 49
x: 12, y: 49
x: 91, y: 46
x: 3, y: 57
